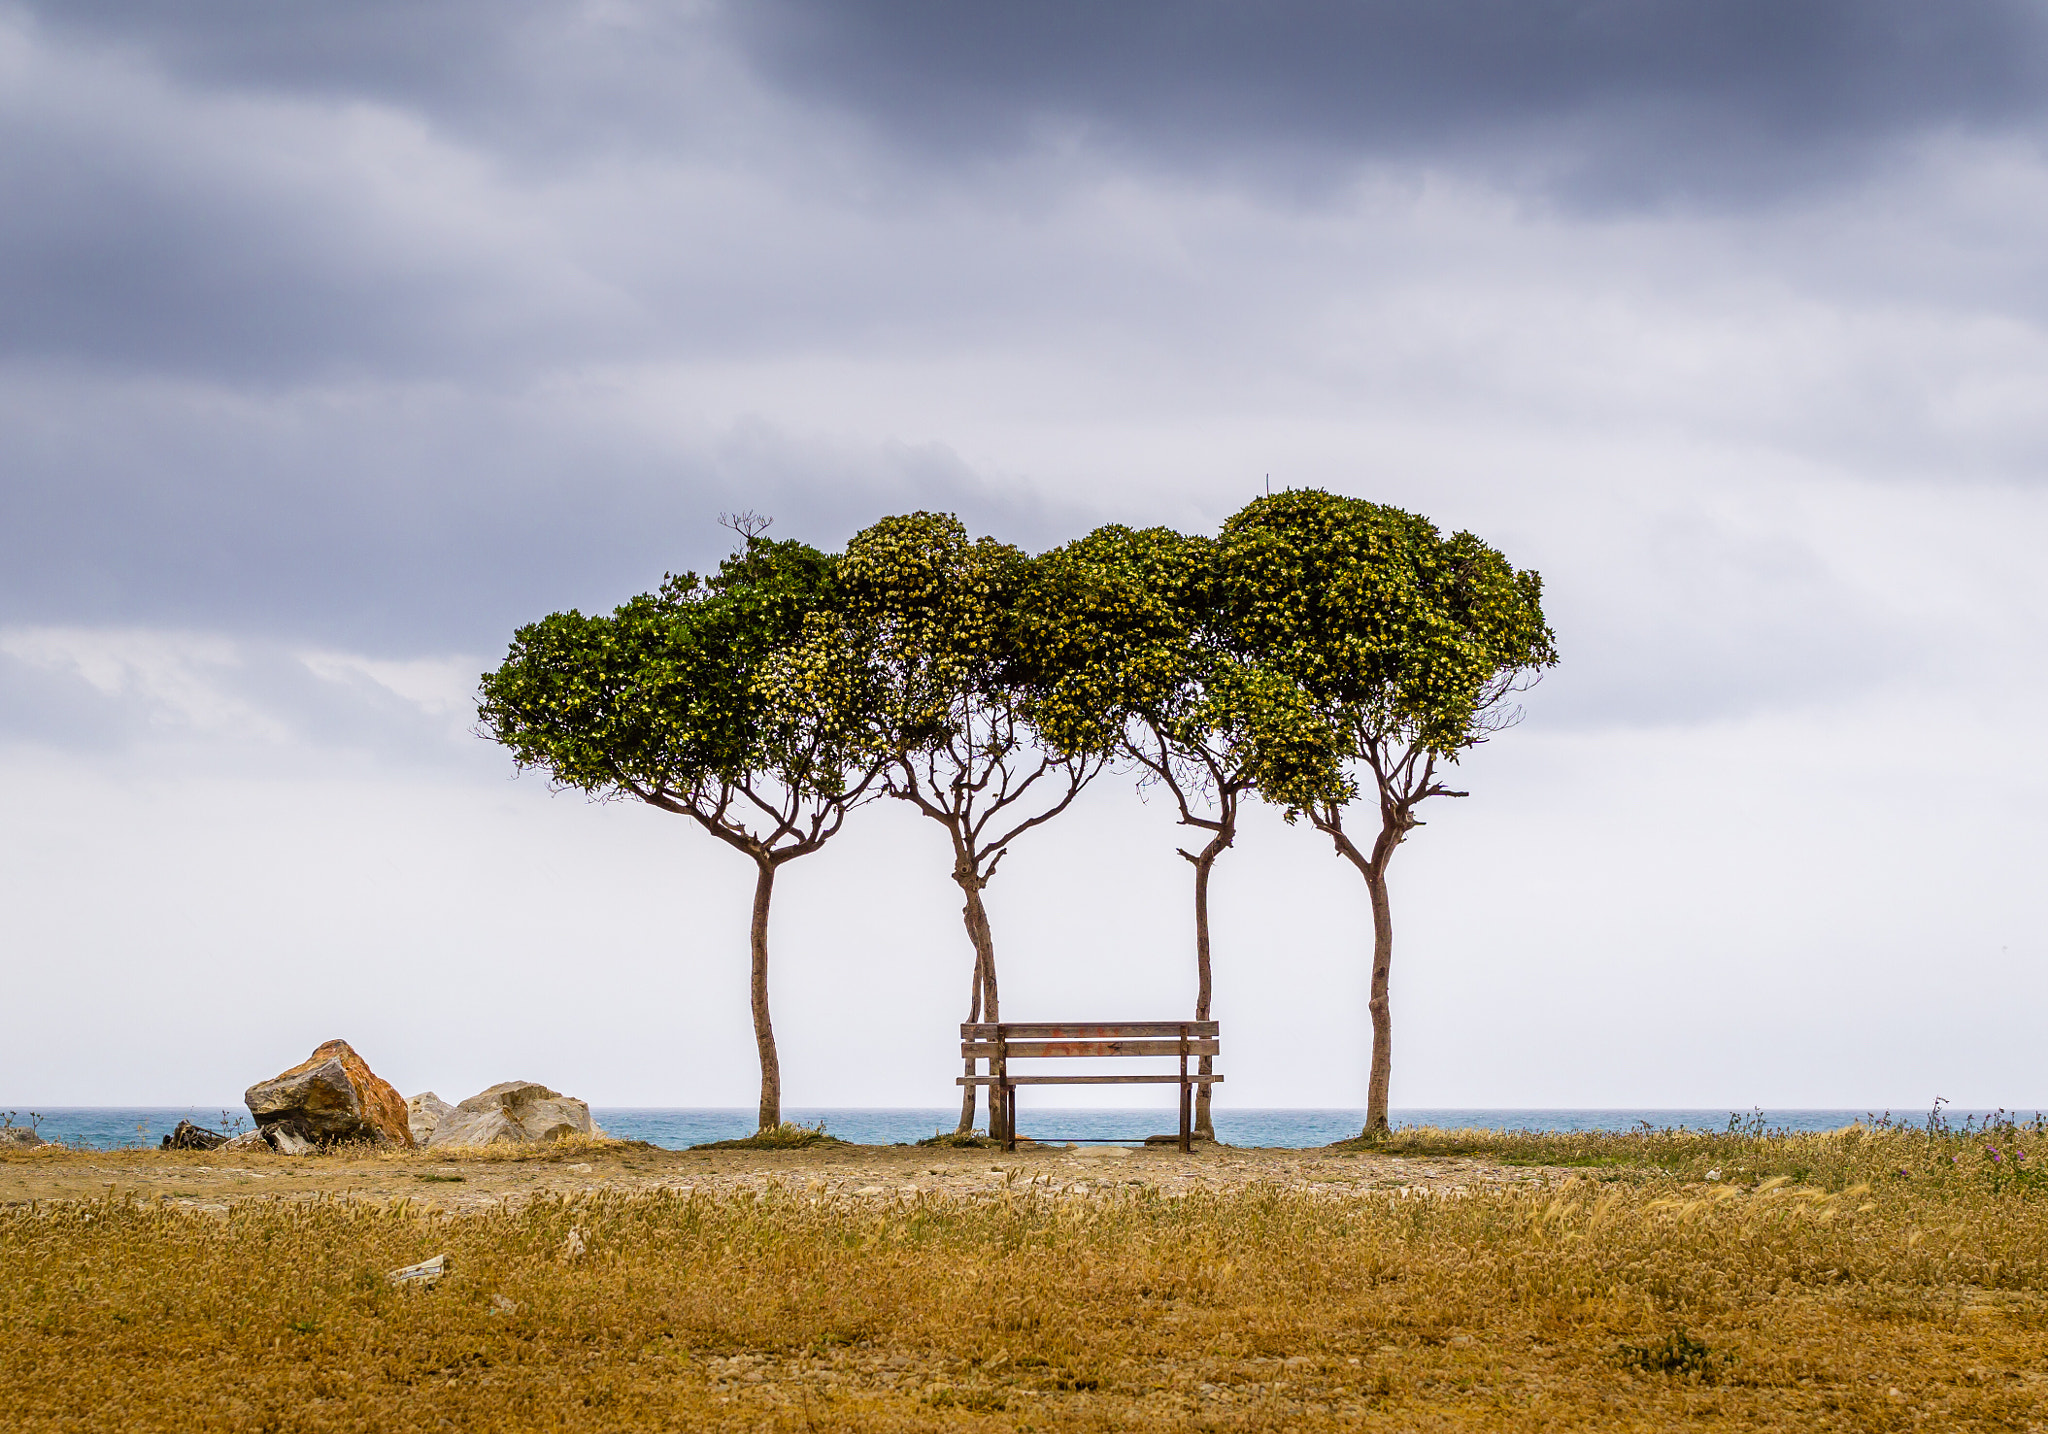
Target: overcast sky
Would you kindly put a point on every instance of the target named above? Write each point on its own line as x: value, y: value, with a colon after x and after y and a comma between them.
x: 337, y: 341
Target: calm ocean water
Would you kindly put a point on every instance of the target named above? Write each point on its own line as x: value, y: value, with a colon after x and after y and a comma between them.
x: 113, y: 1127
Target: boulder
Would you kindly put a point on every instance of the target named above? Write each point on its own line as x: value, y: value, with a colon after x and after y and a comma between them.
x: 20, y: 1135
x: 332, y: 1095
x: 422, y: 1113
x: 248, y: 1142
x: 513, y: 1112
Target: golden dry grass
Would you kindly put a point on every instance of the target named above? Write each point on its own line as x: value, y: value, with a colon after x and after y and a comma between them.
x: 1860, y: 1298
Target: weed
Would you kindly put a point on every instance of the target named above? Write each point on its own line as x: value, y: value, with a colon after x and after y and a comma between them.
x: 1676, y: 1353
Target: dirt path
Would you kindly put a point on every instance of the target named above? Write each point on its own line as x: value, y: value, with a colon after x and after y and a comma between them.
x: 201, y: 1180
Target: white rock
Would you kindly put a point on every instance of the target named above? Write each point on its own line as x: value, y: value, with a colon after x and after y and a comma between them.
x: 284, y: 1142
x: 424, y: 1273
x: 422, y: 1113
x: 513, y: 1112
x: 248, y: 1140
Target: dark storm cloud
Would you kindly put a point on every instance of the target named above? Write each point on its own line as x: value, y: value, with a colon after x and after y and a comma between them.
x: 286, y: 290
x: 268, y: 365
x: 131, y: 257
x: 1614, y: 100
x: 452, y: 51
x: 409, y: 525
x: 539, y: 81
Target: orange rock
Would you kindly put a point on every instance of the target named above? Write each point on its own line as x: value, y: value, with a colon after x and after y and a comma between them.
x: 331, y: 1095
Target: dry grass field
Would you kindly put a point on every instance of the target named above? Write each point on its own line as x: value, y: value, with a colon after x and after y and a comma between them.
x: 1870, y: 1279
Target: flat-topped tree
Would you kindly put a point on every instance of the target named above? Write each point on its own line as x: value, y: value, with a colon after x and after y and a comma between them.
x: 661, y: 701
x: 926, y: 627
x: 1122, y: 622
x: 1409, y: 646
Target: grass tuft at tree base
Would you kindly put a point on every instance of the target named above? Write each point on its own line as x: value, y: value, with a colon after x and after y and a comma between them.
x: 785, y: 1136
x: 953, y: 1140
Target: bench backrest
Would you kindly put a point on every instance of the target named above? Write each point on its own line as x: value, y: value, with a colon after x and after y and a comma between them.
x: 1035, y: 1040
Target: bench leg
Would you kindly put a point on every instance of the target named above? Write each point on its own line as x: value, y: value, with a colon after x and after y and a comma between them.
x: 1186, y: 1114
x: 1009, y: 1116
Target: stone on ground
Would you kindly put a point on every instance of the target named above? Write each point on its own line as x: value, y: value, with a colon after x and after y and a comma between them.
x: 332, y: 1095
x: 247, y: 1142
x: 422, y: 1113
x: 513, y: 1112
x: 285, y: 1140
x: 188, y: 1136
x: 20, y: 1135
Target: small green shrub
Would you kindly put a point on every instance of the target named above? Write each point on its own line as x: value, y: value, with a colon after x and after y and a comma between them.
x: 785, y: 1136
x: 1676, y: 1353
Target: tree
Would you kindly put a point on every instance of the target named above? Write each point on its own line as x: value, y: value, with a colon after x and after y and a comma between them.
x: 1408, y: 645
x: 1120, y: 627
x: 663, y: 702
x: 926, y: 618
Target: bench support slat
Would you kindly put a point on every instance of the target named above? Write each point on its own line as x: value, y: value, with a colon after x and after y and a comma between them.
x: 1088, y: 1030
x: 1087, y: 1080
x: 1085, y: 1050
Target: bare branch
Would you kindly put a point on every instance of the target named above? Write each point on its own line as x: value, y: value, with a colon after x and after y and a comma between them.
x: 747, y: 523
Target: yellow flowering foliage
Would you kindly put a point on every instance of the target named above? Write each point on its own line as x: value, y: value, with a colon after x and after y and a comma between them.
x: 1389, y: 628
x: 918, y: 634
x: 1120, y: 627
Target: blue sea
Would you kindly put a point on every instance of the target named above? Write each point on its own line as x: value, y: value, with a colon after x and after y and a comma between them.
x: 118, y: 1127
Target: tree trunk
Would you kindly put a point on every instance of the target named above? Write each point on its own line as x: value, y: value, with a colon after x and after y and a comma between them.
x: 985, y: 1003
x: 991, y: 1004
x: 1382, y: 1013
x: 1203, y: 864
x: 1394, y: 825
x: 764, y: 1032
x: 968, y: 1093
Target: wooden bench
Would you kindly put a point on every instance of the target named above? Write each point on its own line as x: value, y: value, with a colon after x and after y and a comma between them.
x: 1001, y: 1042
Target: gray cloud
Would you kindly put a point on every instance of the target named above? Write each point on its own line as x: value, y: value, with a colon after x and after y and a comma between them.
x: 395, y: 522
x: 1621, y: 101
x: 1611, y: 101
x: 390, y: 329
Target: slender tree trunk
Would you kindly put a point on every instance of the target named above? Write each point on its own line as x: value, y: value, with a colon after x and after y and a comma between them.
x: 984, y: 1002
x: 764, y: 1032
x: 967, y: 1092
x: 1203, y: 864
x: 991, y: 1000
x: 1394, y: 825
x: 1382, y: 1012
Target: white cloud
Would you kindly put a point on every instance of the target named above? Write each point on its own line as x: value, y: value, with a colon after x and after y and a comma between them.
x: 443, y: 688
x: 182, y: 680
